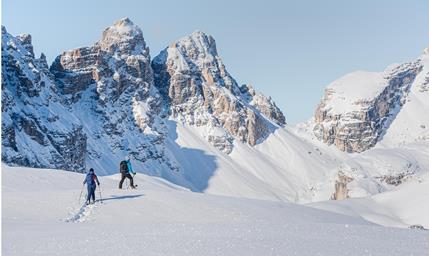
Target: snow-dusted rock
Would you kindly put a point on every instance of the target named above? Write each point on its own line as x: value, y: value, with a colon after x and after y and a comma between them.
x: 358, y: 108
x: 265, y: 105
x: 199, y: 91
x: 109, y: 86
x: 37, y: 130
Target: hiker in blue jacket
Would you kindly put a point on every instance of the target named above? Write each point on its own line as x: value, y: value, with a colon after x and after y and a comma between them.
x: 91, y: 180
x: 126, y: 170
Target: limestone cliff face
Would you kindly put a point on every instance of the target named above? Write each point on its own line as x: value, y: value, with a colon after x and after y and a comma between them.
x: 358, y: 108
x: 34, y: 130
x: 118, y: 63
x: 199, y: 91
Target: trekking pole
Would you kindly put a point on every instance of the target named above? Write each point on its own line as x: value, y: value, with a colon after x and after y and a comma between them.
x: 99, y: 190
x: 80, y: 196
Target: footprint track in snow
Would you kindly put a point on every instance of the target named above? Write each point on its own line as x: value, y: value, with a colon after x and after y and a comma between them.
x: 83, y: 213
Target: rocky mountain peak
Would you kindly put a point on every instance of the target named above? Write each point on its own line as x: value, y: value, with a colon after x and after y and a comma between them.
x: 26, y: 42
x: 119, y: 61
x: 199, y: 91
x: 123, y: 35
x: 426, y: 51
x: 124, y: 22
x: 197, y: 45
x: 358, y: 108
x: 109, y: 86
x: 265, y: 105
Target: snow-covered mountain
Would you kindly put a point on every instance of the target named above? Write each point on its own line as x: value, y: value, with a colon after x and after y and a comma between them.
x: 108, y: 92
x: 360, y: 108
x: 382, y: 117
x: 198, y: 90
x: 110, y: 88
x: 184, y: 118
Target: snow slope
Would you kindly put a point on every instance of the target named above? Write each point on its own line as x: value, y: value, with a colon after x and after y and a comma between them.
x: 288, y: 166
x: 404, y: 206
x: 280, y: 168
x: 42, y: 216
x: 354, y: 87
x: 411, y: 124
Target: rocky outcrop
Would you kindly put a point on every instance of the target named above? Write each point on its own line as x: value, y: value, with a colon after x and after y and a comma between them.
x: 358, y: 108
x: 265, y: 105
x: 341, y: 191
x: 198, y: 90
x: 34, y: 130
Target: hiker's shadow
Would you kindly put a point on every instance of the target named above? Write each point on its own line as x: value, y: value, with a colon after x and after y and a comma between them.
x: 113, y: 197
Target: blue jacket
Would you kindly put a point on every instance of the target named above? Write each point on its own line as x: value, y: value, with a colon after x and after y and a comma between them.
x: 130, y: 168
x: 90, y: 179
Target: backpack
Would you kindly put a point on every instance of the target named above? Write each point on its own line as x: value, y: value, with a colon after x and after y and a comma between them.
x: 90, y: 179
x: 123, y: 167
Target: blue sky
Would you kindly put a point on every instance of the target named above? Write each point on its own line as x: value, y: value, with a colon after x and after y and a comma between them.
x: 289, y: 50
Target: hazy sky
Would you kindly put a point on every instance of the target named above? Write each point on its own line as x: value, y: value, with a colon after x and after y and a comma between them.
x: 289, y: 50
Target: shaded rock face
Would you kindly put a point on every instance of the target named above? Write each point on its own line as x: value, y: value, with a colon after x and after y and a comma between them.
x: 33, y: 132
x: 362, y: 122
x: 198, y: 90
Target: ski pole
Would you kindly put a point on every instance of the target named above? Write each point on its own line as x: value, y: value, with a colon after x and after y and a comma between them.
x: 80, y: 196
x: 99, y: 190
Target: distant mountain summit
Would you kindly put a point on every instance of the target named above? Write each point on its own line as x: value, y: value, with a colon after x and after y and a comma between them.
x: 361, y: 107
x: 198, y: 90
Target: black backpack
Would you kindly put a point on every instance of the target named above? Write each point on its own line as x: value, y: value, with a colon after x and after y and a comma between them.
x: 123, y: 167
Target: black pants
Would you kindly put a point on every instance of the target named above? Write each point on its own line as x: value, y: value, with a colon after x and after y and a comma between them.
x: 126, y: 175
x: 91, y: 193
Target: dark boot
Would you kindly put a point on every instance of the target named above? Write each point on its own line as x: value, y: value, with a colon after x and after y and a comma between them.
x: 131, y: 181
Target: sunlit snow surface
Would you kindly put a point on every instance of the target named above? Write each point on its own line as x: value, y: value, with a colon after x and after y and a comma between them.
x: 42, y: 216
